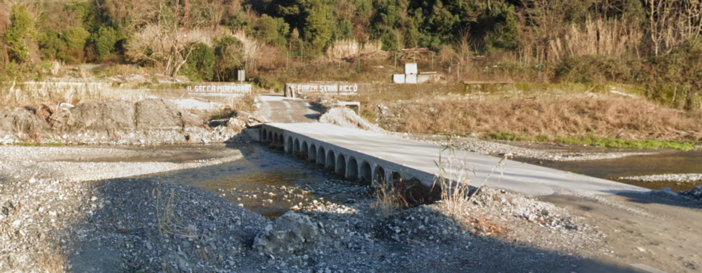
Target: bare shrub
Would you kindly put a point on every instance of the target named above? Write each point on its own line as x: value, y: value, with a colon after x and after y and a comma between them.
x: 252, y: 47
x: 349, y: 48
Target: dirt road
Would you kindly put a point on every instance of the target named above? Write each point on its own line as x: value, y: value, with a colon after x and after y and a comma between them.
x: 651, y: 232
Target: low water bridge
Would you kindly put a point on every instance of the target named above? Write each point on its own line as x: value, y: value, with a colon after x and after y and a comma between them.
x: 372, y: 157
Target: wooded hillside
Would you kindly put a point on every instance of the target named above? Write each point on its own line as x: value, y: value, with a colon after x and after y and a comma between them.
x: 637, y: 41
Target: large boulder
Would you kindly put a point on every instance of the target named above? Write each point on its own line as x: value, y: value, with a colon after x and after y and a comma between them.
x: 22, y: 121
x: 292, y: 232
x: 101, y: 116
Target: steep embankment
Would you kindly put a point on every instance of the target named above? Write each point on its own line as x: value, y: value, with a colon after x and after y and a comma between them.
x: 151, y: 121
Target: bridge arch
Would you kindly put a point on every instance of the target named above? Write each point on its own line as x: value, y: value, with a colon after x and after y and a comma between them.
x: 352, y: 169
x: 366, y: 173
x: 321, y: 156
x: 340, y: 165
x: 303, y: 148
x: 289, y: 147
x: 331, y: 160
x: 264, y: 136
x: 312, y: 153
x: 379, y: 176
x: 295, y: 146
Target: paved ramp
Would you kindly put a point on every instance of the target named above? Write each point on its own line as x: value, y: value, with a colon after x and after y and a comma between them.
x: 412, y: 159
x: 287, y: 110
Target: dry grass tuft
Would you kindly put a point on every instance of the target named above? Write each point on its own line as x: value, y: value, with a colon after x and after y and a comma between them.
x: 168, y: 224
x: 53, y: 261
x: 387, y: 200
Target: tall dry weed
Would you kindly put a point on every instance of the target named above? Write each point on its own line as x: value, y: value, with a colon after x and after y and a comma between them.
x: 455, y: 182
x: 596, y: 37
x: 387, y: 200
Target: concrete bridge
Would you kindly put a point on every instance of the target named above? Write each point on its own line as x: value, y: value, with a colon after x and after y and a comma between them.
x: 369, y: 157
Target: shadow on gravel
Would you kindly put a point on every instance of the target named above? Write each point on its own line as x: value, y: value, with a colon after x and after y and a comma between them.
x: 396, y: 246
x: 661, y: 198
x: 313, y: 116
x: 176, y: 228
x: 141, y: 225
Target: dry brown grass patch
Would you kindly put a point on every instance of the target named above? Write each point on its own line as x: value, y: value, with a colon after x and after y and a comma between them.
x: 605, y: 116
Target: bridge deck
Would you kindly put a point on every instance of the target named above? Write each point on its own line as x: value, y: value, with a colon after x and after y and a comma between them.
x: 419, y: 157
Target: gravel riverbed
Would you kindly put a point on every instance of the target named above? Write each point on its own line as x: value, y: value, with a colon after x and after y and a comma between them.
x: 681, y: 177
x: 53, y: 219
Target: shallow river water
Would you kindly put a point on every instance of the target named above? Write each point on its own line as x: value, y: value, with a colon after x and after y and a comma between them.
x: 668, y: 162
x: 265, y: 181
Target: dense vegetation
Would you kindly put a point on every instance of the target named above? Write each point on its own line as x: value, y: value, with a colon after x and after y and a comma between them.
x: 647, y: 42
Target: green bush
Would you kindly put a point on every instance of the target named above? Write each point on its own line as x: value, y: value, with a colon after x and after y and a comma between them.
x: 21, y: 29
x: 75, y: 37
x: 200, y: 63
x: 105, y: 41
x: 228, y: 53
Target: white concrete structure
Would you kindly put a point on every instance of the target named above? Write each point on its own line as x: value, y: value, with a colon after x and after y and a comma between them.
x: 367, y: 156
x: 411, y: 69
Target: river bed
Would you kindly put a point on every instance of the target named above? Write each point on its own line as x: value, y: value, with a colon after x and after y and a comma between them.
x: 267, y: 181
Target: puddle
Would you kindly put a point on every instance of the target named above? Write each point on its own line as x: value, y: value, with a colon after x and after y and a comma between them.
x: 669, y: 162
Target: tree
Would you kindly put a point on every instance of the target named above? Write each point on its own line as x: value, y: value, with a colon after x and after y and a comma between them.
x: 200, y: 63
x: 228, y: 58
x: 163, y: 36
x: 21, y: 31
x: 105, y: 40
x: 75, y: 37
x: 659, y: 17
x: 499, y: 27
x: 318, y: 27
x: 271, y: 30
